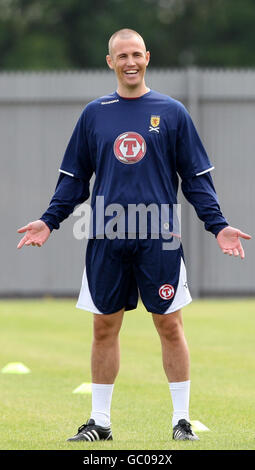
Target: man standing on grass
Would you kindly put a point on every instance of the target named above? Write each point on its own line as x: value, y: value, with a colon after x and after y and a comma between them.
x: 136, y: 141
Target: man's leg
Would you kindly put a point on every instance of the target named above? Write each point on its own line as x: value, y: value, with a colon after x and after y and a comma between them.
x: 105, y: 361
x: 105, y: 354
x: 176, y: 362
x: 175, y: 352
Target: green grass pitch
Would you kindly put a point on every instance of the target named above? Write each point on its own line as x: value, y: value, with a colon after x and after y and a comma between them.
x: 53, y: 339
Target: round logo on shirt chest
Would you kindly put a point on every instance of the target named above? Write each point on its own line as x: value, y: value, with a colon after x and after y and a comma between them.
x: 129, y: 147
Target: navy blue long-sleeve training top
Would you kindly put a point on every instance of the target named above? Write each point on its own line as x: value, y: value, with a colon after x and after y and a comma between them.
x: 137, y: 149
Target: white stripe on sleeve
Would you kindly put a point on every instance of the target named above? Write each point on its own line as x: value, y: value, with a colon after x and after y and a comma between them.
x: 205, y: 171
x: 66, y: 172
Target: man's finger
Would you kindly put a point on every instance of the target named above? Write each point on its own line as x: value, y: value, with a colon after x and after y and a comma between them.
x: 241, y: 251
x: 244, y: 235
x: 23, y: 229
x: 21, y: 243
x: 228, y: 251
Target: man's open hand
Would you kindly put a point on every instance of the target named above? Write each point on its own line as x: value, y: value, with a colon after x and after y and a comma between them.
x: 37, y: 233
x: 229, y: 241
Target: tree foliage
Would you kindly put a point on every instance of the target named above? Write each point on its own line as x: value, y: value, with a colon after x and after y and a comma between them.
x: 73, y: 34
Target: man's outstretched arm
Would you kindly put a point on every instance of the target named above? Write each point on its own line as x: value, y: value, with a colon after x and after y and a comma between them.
x: 69, y: 192
x: 200, y: 192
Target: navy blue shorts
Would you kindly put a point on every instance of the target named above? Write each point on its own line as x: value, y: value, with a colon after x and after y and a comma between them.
x: 116, y: 271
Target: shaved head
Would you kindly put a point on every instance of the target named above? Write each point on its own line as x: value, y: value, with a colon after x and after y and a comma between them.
x: 129, y: 59
x: 124, y: 33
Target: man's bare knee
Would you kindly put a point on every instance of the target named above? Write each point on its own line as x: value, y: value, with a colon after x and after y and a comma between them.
x: 169, y: 326
x: 107, y: 327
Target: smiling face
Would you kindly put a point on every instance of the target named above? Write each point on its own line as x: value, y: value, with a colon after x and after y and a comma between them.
x: 129, y: 59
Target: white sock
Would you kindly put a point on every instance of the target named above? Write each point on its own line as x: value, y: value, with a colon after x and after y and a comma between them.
x: 180, y: 392
x: 101, y: 403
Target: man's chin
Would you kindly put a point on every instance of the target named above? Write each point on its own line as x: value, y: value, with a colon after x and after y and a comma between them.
x: 132, y: 85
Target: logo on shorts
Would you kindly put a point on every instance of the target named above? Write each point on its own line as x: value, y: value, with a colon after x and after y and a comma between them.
x: 129, y: 147
x: 166, y: 292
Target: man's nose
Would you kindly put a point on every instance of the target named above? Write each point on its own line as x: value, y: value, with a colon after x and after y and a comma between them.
x: 130, y: 61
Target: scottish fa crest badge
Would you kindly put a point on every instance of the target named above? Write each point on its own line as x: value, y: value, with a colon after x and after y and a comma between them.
x: 154, y: 123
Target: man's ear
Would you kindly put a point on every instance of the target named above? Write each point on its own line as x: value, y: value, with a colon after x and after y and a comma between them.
x: 109, y: 61
x: 148, y: 56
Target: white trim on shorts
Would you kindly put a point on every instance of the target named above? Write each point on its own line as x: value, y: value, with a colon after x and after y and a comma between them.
x: 85, y: 301
x: 182, y: 296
